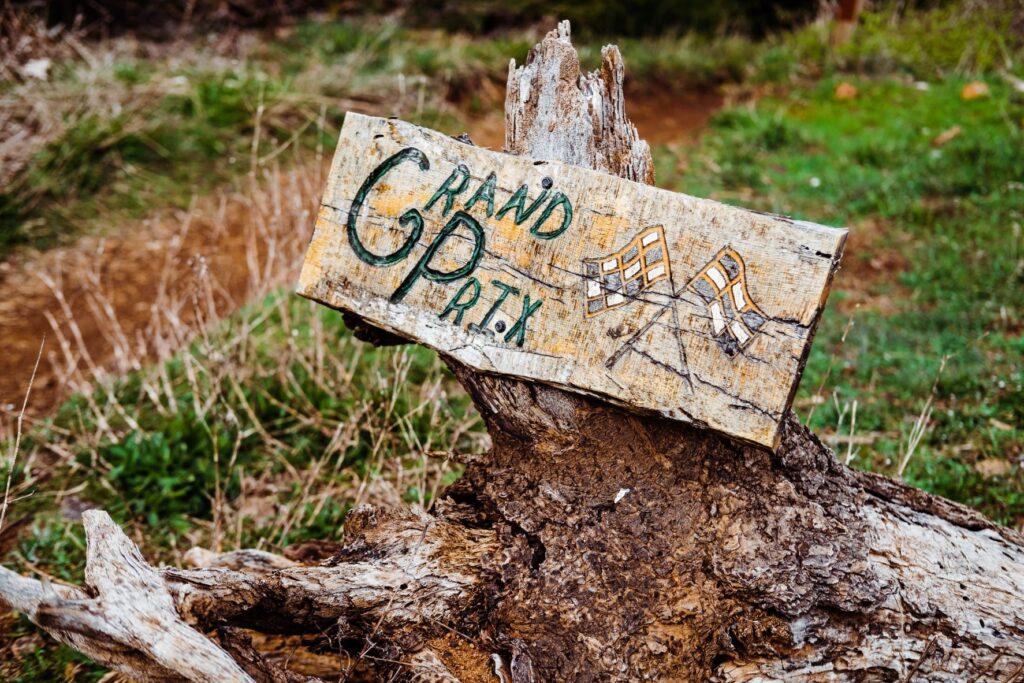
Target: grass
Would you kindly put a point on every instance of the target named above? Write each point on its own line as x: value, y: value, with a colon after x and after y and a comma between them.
x: 265, y: 428
x: 109, y: 131
x: 279, y: 410
x: 264, y: 432
x: 942, y: 226
x: 122, y: 133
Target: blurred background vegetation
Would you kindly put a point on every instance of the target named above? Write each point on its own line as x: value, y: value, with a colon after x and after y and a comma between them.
x: 191, y: 395
x: 597, y: 17
x: 607, y: 18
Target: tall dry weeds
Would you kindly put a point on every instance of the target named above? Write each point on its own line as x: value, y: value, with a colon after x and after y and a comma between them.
x: 195, y: 269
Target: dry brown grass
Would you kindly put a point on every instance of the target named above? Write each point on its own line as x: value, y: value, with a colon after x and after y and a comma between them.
x: 128, y: 306
x: 112, y: 304
x: 154, y: 305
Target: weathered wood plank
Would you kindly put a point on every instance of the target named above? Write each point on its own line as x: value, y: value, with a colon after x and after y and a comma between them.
x: 656, y: 300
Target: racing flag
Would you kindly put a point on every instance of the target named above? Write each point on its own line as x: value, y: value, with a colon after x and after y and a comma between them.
x: 722, y: 284
x: 617, y: 279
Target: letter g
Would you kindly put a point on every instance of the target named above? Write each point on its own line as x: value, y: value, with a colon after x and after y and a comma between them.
x: 412, y: 216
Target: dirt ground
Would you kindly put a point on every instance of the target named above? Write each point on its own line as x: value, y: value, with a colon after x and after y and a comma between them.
x: 109, y: 288
x: 868, y: 276
x: 661, y: 118
x: 105, y: 304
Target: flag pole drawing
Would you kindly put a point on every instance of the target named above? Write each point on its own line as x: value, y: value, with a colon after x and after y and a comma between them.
x: 616, y: 279
x: 619, y: 279
x: 722, y: 284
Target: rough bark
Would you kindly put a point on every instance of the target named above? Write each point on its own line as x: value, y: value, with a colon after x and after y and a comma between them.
x: 588, y: 543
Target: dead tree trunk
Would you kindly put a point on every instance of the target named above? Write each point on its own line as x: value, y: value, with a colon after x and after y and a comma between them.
x: 589, y: 543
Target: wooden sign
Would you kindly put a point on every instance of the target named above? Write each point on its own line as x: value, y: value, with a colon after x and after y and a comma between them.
x: 656, y: 300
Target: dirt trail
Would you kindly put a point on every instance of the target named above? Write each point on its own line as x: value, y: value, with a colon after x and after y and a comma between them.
x: 105, y: 305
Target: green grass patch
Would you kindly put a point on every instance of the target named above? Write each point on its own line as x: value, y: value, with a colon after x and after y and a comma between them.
x: 161, y: 153
x: 44, y: 659
x: 946, y: 223
x: 174, y: 131
x: 263, y: 433
x: 259, y: 435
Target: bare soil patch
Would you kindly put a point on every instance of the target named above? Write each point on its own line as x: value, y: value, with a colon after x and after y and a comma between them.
x: 660, y: 117
x: 670, y: 118
x: 107, y: 304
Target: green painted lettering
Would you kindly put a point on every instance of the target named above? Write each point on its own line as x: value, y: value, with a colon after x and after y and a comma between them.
x: 485, y: 323
x: 518, y: 202
x: 410, y: 217
x: 423, y: 268
x: 461, y: 173
x: 485, y: 192
x: 558, y: 200
x: 461, y: 306
x: 518, y: 330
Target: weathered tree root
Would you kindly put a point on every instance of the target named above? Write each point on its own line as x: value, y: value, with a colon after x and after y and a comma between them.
x: 733, y: 565
x: 403, y: 574
x: 589, y: 543
x: 125, y: 617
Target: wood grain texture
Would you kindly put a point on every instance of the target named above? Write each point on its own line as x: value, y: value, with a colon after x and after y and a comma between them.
x: 553, y: 110
x: 535, y: 269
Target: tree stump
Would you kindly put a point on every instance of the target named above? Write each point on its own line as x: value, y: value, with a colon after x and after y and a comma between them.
x: 589, y: 543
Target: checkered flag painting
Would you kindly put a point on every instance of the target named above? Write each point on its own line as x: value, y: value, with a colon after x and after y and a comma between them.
x: 616, y: 279
x: 722, y: 284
